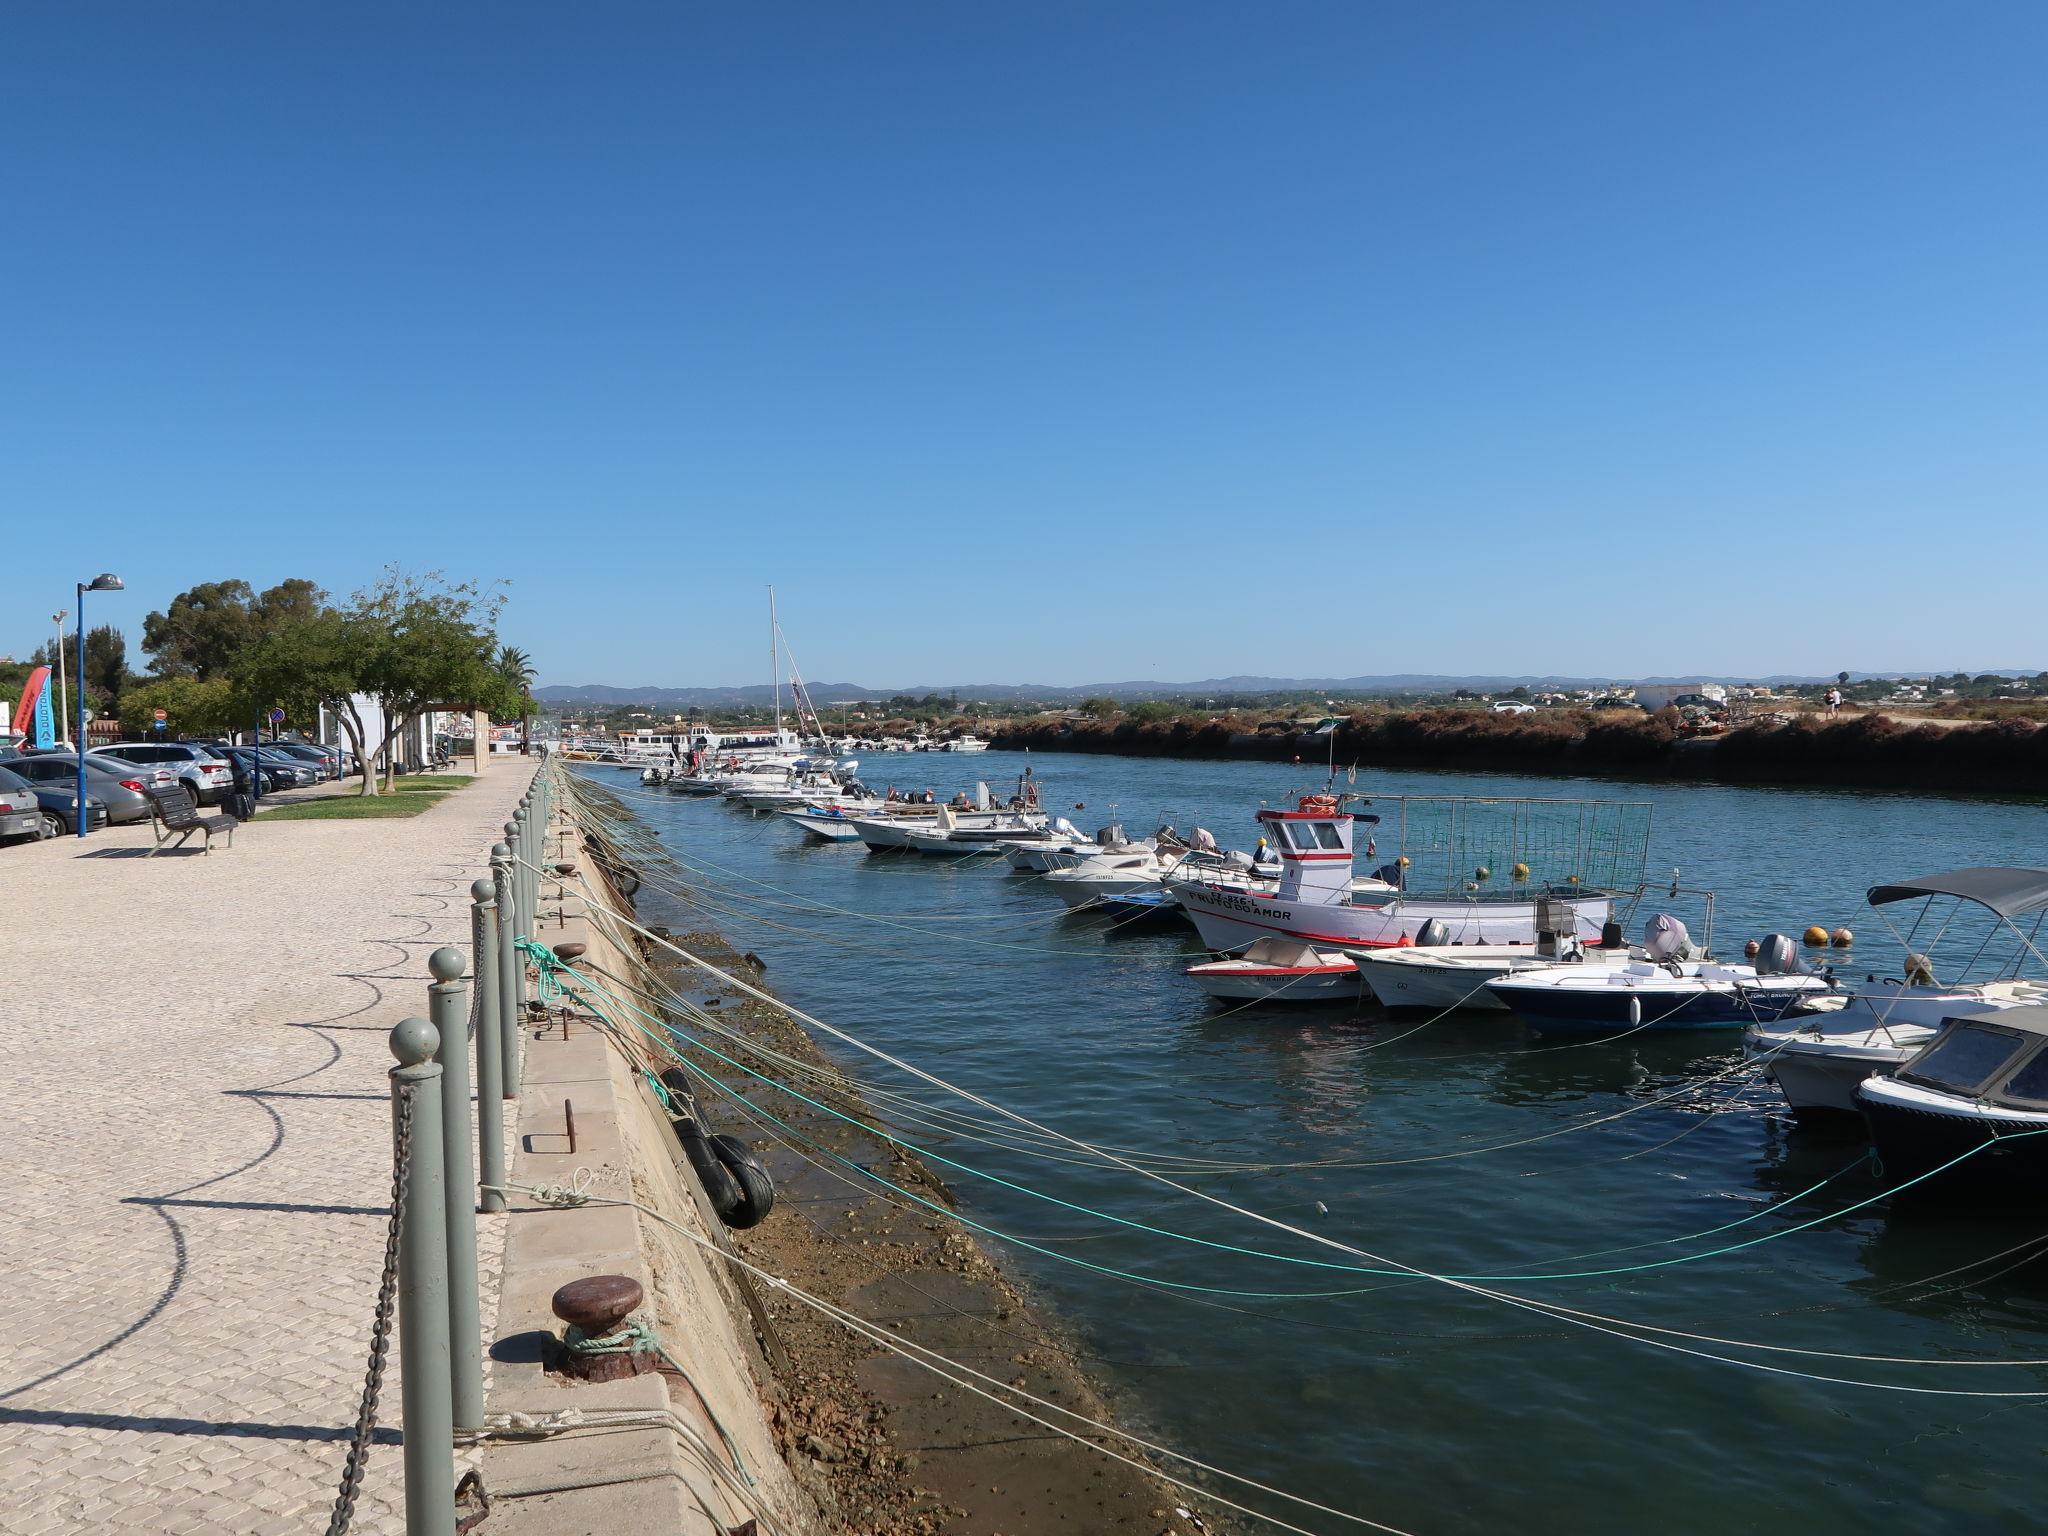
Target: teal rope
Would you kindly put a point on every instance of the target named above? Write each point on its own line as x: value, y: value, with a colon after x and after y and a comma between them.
x: 1207, y: 1242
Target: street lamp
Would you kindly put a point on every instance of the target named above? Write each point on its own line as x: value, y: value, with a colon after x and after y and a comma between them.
x: 106, y: 581
x: 63, y: 707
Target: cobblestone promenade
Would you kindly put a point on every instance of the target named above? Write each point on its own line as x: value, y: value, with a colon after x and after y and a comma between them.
x: 193, y: 1058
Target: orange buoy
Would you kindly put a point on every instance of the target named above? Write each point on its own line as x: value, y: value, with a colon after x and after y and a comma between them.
x: 1816, y: 937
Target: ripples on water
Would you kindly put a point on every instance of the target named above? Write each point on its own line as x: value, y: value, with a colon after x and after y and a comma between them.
x: 1411, y: 1402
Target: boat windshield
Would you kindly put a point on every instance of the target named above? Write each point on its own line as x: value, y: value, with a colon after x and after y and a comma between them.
x: 1965, y: 1057
x: 2029, y: 1085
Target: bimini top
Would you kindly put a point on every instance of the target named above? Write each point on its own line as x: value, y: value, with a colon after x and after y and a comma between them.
x: 2008, y: 892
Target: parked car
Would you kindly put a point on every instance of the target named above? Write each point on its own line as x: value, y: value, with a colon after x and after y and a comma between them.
x: 121, y: 787
x: 324, y: 760
x: 21, y: 814
x: 59, y: 805
x: 280, y: 770
x: 206, y: 775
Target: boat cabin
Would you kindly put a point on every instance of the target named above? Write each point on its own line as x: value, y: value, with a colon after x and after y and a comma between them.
x: 1313, y: 844
x: 1998, y: 1059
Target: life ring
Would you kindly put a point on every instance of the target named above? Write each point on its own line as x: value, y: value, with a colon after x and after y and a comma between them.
x: 1325, y: 804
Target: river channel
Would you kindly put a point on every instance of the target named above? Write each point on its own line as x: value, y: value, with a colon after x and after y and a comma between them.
x: 1600, y: 1177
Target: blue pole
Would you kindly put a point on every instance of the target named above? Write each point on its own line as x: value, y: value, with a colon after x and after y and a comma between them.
x: 256, y: 778
x: 79, y: 815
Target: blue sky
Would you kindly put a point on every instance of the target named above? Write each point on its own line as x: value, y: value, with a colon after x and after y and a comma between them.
x: 1049, y: 342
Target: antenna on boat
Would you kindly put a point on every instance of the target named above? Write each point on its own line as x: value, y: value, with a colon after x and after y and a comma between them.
x: 775, y: 660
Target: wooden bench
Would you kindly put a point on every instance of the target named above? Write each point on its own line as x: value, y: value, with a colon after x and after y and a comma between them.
x: 174, y: 815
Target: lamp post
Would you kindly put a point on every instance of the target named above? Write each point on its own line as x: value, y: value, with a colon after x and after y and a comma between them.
x: 106, y: 581
x: 63, y: 707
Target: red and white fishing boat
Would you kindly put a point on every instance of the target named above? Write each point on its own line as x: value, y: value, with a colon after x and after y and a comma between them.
x: 1280, y: 971
x: 1315, y: 901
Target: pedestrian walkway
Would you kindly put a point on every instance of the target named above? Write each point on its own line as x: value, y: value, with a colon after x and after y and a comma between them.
x: 193, y: 1224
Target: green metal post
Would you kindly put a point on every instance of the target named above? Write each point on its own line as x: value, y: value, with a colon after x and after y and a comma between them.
x: 448, y: 1006
x: 423, y: 1287
x: 508, y: 969
x: 490, y: 1056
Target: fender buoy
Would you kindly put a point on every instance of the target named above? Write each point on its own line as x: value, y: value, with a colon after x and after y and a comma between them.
x: 757, y: 1189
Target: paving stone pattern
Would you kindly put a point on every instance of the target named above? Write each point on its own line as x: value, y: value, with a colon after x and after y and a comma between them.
x: 192, y: 1225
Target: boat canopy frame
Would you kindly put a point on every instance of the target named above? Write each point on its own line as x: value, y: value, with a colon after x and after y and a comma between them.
x: 2006, y: 893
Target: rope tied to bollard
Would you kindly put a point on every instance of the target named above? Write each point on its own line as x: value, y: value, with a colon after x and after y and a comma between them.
x: 547, y: 963
x: 635, y: 1336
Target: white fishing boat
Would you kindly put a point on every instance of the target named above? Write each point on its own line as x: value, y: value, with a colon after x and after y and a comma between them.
x: 1276, y: 970
x: 1124, y: 873
x: 1819, y: 1062
x: 960, y: 834
x: 1063, y: 845
x: 1660, y: 987
x: 968, y: 742
x: 1441, y: 977
x: 1315, y: 901
x: 827, y: 823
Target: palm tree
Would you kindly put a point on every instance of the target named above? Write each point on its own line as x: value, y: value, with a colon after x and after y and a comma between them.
x: 516, y: 667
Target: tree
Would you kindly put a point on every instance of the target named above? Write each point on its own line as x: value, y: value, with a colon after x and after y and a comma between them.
x: 106, y: 666
x: 516, y: 667
x: 1842, y: 679
x: 1099, y: 708
x: 192, y: 706
x: 208, y: 626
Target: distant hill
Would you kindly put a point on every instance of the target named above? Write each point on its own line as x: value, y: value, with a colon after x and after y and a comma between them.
x: 706, y: 696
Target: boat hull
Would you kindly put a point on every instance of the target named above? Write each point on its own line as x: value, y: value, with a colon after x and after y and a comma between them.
x: 1914, y: 1140
x: 1626, y: 1009
x: 1410, y: 978
x: 1231, y: 919
x: 1819, y: 1081
x: 1277, y: 984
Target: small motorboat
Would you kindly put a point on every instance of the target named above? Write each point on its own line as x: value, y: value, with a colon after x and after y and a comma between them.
x: 827, y: 823
x: 1658, y: 988
x: 1968, y: 1111
x: 1121, y: 874
x: 1817, y: 1062
x: 1281, y: 971
x: 1139, y: 909
x: 1432, y: 974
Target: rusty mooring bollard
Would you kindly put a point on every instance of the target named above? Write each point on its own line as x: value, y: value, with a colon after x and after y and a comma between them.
x: 599, y: 1341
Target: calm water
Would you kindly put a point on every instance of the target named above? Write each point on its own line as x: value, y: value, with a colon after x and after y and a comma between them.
x: 1411, y: 1402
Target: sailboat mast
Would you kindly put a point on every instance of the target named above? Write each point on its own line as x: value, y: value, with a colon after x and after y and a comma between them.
x: 774, y: 662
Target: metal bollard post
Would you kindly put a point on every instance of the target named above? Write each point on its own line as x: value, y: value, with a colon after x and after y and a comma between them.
x: 448, y: 1006
x: 490, y: 1056
x: 509, y: 1010
x: 423, y: 1283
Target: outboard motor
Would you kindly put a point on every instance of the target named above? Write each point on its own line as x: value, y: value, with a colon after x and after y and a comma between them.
x: 1665, y: 939
x: 1777, y: 955
x: 1611, y: 935
x: 1204, y: 840
x: 1434, y: 934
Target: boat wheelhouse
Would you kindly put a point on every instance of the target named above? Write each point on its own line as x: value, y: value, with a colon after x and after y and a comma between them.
x: 1568, y: 852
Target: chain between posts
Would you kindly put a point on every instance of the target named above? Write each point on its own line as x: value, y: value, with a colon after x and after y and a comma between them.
x: 380, y: 1330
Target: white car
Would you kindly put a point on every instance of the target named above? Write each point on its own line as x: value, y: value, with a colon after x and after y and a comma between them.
x: 209, y: 777
x: 1511, y: 707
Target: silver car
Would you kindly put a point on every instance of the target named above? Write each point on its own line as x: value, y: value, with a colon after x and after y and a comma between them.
x: 121, y: 786
x: 21, y: 815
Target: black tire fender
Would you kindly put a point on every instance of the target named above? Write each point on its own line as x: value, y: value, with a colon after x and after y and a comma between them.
x: 756, y: 1187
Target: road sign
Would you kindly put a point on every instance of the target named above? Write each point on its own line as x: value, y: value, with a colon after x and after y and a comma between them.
x: 277, y: 717
x: 163, y: 714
